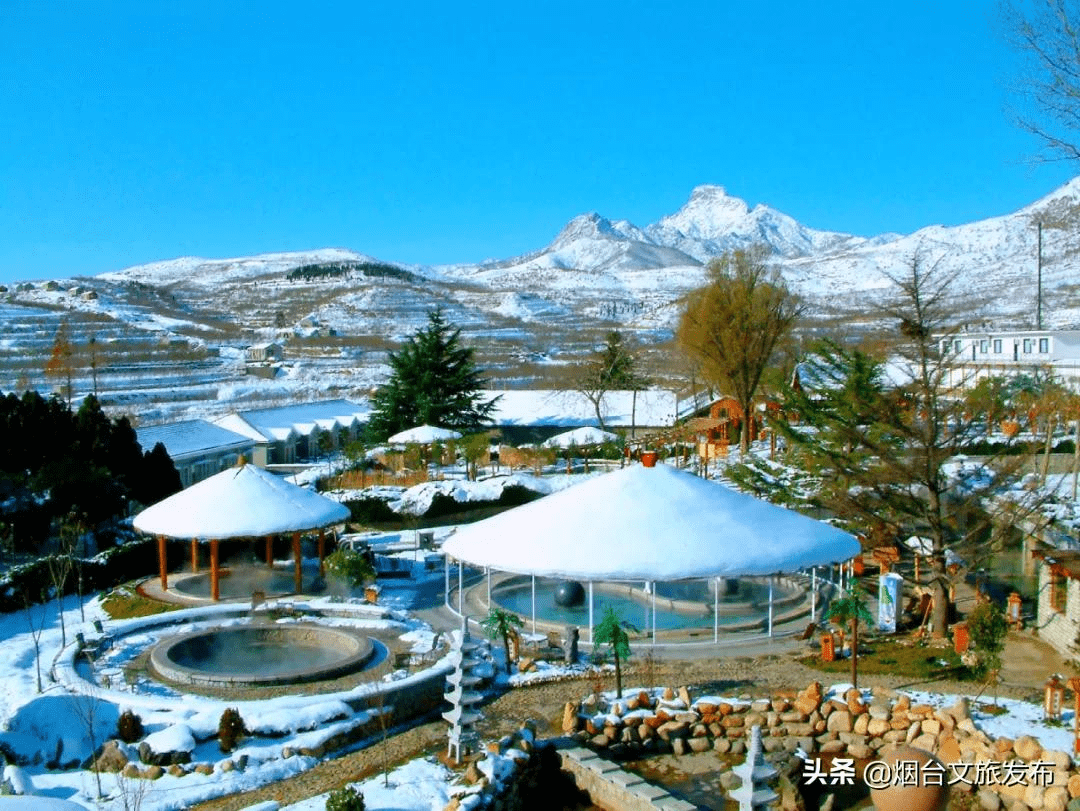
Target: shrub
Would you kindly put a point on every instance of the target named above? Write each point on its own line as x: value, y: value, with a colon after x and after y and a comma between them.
x: 129, y: 727
x: 345, y: 799
x: 987, y: 626
x: 230, y: 729
x: 350, y: 566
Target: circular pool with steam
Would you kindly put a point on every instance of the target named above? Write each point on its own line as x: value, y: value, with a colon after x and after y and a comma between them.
x: 261, y: 655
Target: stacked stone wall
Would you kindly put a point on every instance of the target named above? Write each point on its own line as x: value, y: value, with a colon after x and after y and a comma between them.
x: 643, y: 724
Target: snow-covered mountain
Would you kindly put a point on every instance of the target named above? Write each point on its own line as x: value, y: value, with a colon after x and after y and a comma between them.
x: 531, y: 315
x: 713, y: 222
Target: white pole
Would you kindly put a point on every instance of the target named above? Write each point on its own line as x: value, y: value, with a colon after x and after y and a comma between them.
x: 590, y: 614
x: 534, y: 603
x: 813, y: 594
x: 460, y: 587
x: 648, y: 590
x: 716, y: 610
x: 654, y: 612
x: 446, y: 577
x: 770, y: 605
x: 489, y: 586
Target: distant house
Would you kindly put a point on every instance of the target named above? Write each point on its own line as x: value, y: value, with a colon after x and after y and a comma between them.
x: 974, y: 355
x: 265, y: 353
x: 198, y: 448
x: 292, y: 433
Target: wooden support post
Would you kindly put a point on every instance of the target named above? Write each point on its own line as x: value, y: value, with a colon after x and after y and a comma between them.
x: 215, y: 591
x: 322, y: 553
x: 163, y: 569
x: 298, y: 576
x: 194, y: 555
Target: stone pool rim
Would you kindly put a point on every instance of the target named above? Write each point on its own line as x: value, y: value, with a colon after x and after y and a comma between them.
x: 357, y: 650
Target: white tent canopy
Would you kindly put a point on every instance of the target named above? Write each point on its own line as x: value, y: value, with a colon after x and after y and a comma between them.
x: 643, y: 523
x: 579, y: 437
x: 424, y: 435
x: 241, y: 502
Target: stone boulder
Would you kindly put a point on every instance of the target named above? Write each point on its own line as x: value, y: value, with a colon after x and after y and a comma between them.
x: 173, y: 744
x: 112, y: 758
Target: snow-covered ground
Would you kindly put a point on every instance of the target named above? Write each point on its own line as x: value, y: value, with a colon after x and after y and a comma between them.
x: 53, y: 726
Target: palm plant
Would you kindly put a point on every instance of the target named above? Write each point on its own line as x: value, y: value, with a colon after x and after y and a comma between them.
x: 501, y: 623
x: 610, y: 631
x: 850, y: 610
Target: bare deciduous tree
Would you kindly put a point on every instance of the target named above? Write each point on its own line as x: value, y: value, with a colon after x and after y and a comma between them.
x: 613, y: 367
x: 894, y: 456
x: 734, y: 324
x: 1049, y: 90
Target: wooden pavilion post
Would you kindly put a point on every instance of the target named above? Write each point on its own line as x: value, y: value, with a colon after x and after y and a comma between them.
x: 270, y: 551
x: 163, y: 569
x: 298, y: 577
x: 215, y: 590
x: 322, y: 552
x: 194, y: 555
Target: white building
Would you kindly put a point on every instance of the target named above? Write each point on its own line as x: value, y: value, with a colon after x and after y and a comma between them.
x: 288, y: 434
x: 974, y: 355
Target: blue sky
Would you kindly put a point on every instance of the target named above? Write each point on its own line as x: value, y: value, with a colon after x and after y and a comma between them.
x: 441, y: 132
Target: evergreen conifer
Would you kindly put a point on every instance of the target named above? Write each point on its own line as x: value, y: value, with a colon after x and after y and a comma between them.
x: 435, y: 381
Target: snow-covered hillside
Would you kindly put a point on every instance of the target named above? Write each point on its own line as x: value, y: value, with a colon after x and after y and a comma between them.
x: 529, y: 317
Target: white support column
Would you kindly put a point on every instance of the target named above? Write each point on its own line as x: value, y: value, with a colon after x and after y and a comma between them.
x: 489, y: 586
x: 770, y: 605
x: 716, y: 610
x: 446, y: 577
x: 534, y: 604
x: 590, y: 614
x: 813, y: 594
x: 461, y: 587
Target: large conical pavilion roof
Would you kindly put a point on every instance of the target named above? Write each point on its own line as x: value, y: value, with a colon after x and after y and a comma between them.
x: 643, y: 523
x: 241, y: 502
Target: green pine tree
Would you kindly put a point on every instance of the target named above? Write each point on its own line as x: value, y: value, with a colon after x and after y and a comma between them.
x: 434, y: 381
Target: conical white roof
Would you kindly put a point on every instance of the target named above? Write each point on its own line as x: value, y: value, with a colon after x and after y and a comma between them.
x: 424, y: 434
x: 240, y: 502
x: 643, y: 523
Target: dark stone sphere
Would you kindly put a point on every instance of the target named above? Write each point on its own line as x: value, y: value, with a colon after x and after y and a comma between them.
x: 569, y: 593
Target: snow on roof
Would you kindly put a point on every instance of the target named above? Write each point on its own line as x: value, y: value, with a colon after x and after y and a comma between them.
x: 244, y: 501
x: 278, y: 423
x: 190, y: 437
x: 579, y: 437
x: 424, y: 434
x: 655, y: 523
x: 653, y: 407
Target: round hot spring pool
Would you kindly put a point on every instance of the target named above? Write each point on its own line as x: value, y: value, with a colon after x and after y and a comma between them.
x: 261, y: 655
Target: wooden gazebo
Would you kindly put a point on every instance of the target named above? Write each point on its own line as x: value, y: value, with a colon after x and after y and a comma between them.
x: 242, y: 502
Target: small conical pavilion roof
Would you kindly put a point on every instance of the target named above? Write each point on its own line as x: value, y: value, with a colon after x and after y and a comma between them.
x: 649, y: 523
x: 424, y: 435
x: 241, y: 502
